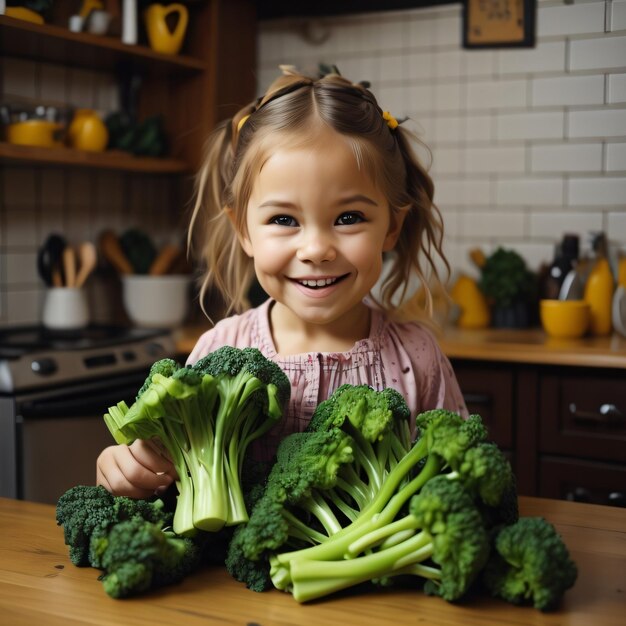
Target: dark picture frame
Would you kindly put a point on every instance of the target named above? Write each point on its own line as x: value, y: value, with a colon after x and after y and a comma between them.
x: 499, y: 23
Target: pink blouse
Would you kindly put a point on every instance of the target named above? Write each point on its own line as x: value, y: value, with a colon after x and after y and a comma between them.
x: 404, y: 356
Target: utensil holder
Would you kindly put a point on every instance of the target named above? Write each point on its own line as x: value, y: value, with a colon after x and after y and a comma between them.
x: 65, y: 308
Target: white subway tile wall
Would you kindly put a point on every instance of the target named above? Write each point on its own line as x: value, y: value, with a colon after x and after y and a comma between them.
x: 526, y: 144
x: 77, y: 203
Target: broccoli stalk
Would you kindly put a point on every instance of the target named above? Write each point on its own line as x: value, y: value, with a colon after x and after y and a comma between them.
x: 443, y: 527
x: 206, y: 416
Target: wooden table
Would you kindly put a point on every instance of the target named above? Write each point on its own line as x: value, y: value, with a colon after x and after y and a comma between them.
x: 40, y: 586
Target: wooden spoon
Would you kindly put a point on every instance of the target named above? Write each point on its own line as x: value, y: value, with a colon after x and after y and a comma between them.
x: 113, y: 253
x: 69, y: 266
x: 164, y: 260
x: 87, y: 258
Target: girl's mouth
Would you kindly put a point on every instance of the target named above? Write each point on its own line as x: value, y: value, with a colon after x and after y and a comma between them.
x: 319, y: 283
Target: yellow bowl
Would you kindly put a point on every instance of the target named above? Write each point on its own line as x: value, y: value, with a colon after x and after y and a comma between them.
x: 565, y: 319
x: 35, y: 133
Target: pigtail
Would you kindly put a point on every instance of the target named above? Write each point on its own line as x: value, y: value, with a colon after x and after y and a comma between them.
x: 421, y: 240
x: 227, y: 268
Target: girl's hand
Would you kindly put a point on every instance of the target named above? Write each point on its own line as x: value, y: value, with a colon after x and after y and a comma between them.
x: 140, y: 470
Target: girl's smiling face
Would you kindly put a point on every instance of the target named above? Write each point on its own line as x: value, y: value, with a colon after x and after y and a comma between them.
x: 316, y: 229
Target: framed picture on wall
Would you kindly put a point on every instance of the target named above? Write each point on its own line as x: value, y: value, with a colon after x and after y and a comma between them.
x: 499, y: 23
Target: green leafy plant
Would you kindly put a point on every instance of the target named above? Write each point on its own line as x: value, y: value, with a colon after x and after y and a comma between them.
x: 505, y: 278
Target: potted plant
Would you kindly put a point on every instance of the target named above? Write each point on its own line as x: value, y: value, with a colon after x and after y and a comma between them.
x: 510, y: 288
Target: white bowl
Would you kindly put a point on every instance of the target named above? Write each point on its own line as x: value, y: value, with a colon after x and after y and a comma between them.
x: 156, y: 301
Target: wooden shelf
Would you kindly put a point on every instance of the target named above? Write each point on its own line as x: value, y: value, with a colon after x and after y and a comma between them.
x: 111, y: 159
x: 55, y: 44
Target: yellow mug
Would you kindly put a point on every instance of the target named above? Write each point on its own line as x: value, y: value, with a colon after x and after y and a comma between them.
x: 161, y: 38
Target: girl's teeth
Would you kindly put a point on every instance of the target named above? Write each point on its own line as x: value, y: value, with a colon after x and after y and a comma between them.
x: 322, y: 282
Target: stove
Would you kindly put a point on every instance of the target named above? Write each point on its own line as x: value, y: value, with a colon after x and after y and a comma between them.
x: 35, y: 357
x: 55, y: 387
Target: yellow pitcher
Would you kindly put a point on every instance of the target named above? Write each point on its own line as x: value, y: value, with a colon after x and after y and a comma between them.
x: 161, y: 38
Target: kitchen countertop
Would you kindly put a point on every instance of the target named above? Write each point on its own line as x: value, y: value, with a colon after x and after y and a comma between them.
x: 531, y: 346
x: 39, y: 584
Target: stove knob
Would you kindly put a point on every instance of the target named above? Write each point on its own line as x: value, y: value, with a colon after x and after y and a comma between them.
x: 155, y: 349
x: 44, y: 367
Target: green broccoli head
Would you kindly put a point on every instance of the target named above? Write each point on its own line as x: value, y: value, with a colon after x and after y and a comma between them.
x: 85, y: 511
x: 165, y: 367
x: 460, y: 543
x: 254, y: 573
x: 137, y: 555
x: 530, y: 564
x: 449, y: 435
x: 306, y: 461
x: 231, y: 361
x: 371, y: 413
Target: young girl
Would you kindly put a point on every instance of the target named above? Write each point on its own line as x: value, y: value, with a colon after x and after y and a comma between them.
x: 308, y: 188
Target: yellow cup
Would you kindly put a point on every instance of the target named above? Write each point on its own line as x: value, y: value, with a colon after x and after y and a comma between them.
x: 161, y: 37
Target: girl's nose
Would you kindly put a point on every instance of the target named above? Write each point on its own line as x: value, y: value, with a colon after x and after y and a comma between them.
x: 316, y: 247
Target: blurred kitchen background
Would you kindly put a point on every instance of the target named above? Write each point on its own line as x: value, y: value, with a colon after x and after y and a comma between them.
x: 527, y: 143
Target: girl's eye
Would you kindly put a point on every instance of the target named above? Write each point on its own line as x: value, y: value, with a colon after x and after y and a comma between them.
x: 283, y: 220
x: 347, y: 219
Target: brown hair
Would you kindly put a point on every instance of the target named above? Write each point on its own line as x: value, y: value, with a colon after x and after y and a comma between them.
x: 288, y: 115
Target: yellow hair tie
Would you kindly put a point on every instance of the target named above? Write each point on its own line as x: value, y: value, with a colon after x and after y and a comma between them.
x: 392, y: 122
x: 243, y: 120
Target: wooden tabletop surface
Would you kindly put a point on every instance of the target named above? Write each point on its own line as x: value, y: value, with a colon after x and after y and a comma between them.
x: 40, y: 586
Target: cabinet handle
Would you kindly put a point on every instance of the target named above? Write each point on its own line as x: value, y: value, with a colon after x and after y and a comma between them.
x: 477, y: 398
x: 607, y: 414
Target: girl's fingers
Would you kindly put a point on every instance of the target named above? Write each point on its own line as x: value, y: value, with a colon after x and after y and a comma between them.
x: 136, y: 473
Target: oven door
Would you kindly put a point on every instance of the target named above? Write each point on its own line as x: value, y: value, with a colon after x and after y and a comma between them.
x: 49, y: 441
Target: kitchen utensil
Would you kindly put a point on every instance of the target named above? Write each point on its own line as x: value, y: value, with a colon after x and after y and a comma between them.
x: 565, y: 319
x: 49, y: 257
x: 164, y: 260
x: 572, y: 287
x: 69, y: 266
x: 87, y: 258
x: 619, y: 310
x: 113, y: 253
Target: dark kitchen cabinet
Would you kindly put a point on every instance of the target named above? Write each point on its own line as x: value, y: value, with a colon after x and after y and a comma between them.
x: 564, y: 428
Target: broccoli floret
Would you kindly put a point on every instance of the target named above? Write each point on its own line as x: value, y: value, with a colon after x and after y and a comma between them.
x: 137, y: 555
x: 85, y: 511
x: 206, y: 416
x: 322, y: 531
x: 165, y: 367
x: 530, y: 564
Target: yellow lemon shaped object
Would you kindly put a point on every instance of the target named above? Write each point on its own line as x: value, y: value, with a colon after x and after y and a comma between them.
x: 472, y: 302
x: 88, y: 132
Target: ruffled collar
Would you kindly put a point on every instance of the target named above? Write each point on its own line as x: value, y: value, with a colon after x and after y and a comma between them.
x: 368, y: 344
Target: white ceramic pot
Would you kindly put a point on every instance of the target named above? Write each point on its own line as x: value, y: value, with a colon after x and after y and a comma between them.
x: 156, y: 301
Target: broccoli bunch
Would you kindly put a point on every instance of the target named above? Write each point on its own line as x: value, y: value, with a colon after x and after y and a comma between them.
x: 206, y: 416
x: 86, y: 511
x: 131, y: 541
x: 353, y: 500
